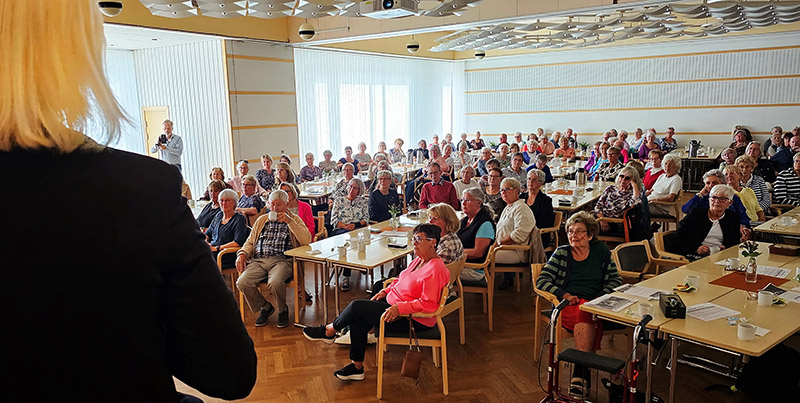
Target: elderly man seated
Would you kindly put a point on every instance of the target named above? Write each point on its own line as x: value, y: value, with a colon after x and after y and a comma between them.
x: 272, y: 235
x: 438, y: 190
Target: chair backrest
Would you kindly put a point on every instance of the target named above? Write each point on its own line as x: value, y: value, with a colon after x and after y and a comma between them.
x: 321, y: 235
x: 455, y: 268
x: 536, y: 270
x: 666, y: 241
x: 632, y: 257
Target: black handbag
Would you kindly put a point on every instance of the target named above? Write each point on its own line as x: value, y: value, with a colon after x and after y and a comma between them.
x: 413, y: 358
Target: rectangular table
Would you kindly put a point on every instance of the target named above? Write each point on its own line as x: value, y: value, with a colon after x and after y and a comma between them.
x: 765, y: 259
x: 587, y: 199
x: 774, y: 227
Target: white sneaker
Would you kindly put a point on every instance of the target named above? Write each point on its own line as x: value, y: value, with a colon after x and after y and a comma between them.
x: 345, y: 339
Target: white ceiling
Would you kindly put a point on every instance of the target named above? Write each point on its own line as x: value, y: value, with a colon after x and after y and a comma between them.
x: 124, y: 37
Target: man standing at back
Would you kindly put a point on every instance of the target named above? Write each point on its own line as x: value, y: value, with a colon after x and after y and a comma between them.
x: 169, y: 146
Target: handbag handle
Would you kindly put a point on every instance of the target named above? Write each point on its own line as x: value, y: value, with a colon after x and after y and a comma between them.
x: 412, y: 336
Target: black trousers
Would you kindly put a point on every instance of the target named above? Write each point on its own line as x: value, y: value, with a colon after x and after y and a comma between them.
x: 362, y: 315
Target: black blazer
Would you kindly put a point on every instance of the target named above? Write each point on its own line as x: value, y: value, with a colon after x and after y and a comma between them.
x: 694, y: 228
x: 107, y: 286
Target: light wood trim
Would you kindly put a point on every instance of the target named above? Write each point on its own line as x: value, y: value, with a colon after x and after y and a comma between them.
x: 264, y: 126
x: 566, y: 87
x: 230, y: 106
x: 270, y: 92
x: 293, y: 156
x: 636, y: 109
x: 727, y: 133
x: 259, y: 58
x: 717, y: 52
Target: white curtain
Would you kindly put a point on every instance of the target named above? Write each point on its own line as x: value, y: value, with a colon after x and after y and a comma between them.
x: 346, y: 98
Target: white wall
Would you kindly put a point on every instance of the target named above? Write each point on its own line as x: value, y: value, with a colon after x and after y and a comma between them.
x: 190, y: 80
x: 702, y: 88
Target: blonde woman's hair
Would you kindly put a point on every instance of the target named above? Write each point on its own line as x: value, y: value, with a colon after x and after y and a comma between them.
x: 446, y: 212
x: 52, y: 80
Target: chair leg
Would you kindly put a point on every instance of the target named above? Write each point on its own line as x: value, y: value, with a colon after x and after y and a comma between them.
x: 485, y: 302
x: 518, y: 280
x: 537, y: 330
x: 241, y: 305
x: 436, y: 356
x: 445, y: 386
x: 380, y: 349
x: 461, y: 328
x: 491, y: 306
x: 299, y: 291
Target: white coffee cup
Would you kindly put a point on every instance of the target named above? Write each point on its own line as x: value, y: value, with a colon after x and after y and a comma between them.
x: 273, y: 215
x: 576, y: 192
x: 362, y: 246
x: 645, y: 308
x: 765, y: 298
x: 693, y: 280
x: 746, y: 331
x: 342, y: 251
x: 733, y: 263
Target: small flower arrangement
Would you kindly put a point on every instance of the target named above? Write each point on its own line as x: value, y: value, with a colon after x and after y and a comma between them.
x: 749, y: 249
x: 395, y: 210
x: 583, y: 145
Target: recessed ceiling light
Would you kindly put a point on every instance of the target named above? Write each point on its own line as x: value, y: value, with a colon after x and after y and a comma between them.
x: 154, y: 39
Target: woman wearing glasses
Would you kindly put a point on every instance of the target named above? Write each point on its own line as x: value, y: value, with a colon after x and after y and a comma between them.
x: 418, y: 289
x: 350, y: 212
x: 491, y: 193
x: 580, y: 272
x: 708, y: 230
x: 476, y: 232
x: 250, y: 203
x: 615, y: 199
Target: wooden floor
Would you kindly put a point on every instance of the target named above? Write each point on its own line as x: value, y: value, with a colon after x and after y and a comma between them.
x: 491, y: 367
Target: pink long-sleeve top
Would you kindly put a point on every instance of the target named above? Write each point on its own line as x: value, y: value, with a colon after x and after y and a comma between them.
x: 419, y: 288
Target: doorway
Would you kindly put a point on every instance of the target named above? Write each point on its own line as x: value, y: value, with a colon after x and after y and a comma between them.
x: 153, y: 116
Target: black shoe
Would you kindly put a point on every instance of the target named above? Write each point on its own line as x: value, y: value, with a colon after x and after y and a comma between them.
x: 264, y: 315
x: 283, y: 319
x: 350, y: 373
x: 317, y: 333
x: 345, y: 286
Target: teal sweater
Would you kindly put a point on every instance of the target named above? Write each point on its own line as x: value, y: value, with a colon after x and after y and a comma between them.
x: 555, y: 273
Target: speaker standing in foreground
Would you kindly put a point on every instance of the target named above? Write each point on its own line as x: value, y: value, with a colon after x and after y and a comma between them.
x: 108, y: 288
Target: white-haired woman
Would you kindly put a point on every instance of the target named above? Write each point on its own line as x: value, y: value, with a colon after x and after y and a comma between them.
x: 466, y: 180
x: 228, y: 229
x: 480, y: 163
x: 250, y: 203
x: 748, y: 198
x: 381, y: 150
x: 648, y: 144
x: 541, y: 205
x: 340, y: 189
x: 746, y: 165
x: 513, y: 227
x: 363, y: 157
x: 327, y: 165
x: 477, y: 231
x: 708, y: 230
x: 667, y: 186
x: 144, y: 242
x: 349, y: 213
x: 656, y: 169
x: 383, y: 197
x: 396, y: 154
x: 623, y: 194
x: 310, y: 171
x: 502, y: 155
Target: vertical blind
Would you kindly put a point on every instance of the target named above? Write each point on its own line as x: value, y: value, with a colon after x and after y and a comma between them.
x: 346, y: 98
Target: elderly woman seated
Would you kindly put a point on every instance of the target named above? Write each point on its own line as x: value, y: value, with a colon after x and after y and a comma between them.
x: 298, y: 207
x: 707, y: 230
x: 580, y: 272
x: 216, y: 174
x: 749, y: 200
x: 476, y: 232
x: 348, y: 213
x: 444, y: 216
x: 787, y: 186
x: 210, y: 210
x: 250, y: 203
x: 466, y: 180
x: 228, y: 229
x: 418, y: 289
x: 609, y: 169
x: 540, y: 204
x: 667, y: 186
x: 513, y: 227
x: 243, y: 167
x: 383, y: 197
x: 615, y: 199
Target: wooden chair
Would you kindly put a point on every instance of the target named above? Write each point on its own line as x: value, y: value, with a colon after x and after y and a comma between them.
x: 617, y: 237
x: 320, y: 223
x: 665, y: 243
x: 299, y: 294
x: 231, y: 271
x: 435, y: 338
x: 542, y: 315
x: 485, y: 286
x: 780, y: 208
x: 666, y: 219
x: 636, y: 261
x: 554, y: 230
x: 517, y: 268
x: 456, y: 302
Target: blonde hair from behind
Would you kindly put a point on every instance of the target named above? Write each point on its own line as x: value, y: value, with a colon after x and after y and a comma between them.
x: 51, y: 75
x: 445, y: 212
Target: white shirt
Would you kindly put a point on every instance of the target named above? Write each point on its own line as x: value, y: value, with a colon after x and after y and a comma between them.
x: 516, y: 221
x: 666, y: 186
x: 461, y: 186
x: 714, y: 238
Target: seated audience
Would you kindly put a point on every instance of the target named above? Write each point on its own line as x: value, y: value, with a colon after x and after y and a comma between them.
x: 418, y: 289
x: 228, y: 229
x: 476, y: 232
x: 623, y: 151
x: 503, y: 140
x: 284, y: 174
x: 349, y: 213
x: 396, y: 154
x: 667, y: 187
x: 545, y: 146
x: 466, y: 180
x: 540, y: 204
x: 701, y: 199
x: 513, y: 148
x: 420, y: 153
x: 265, y: 175
x: 492, y: 196
x: 348, y: 159
x: 298, y: 207
x: 608, y: 170
x: 775, y: 141
x: 529, y: 151
x: 340, y: 189
x: 556, y: 138
x: 210, y: 210
x: 668, y: 143
x: 480, y: 163
x: 787, y: 186
x: 728, y: 156
x: 762, y: 166
x: 310, y: 172
x: 288, y: 161
x: 622, y: 195
x: 235, y: 183
x: 580, y: 272
x: 746, y: 164
x: 565, y: 152
x: 782, y: 160
x: 503, y: 157
x: 741, y: 137
x: 648, y: 144
x: 439, y: 158
x: 518, y: 141
x: 443, y: 216
x: 381, y: 150
x: 216, y: 174
x: 516, y: 170
x: 463, y: 141
x: 383, y: 197
x: 514, y: 225
x: 540, y: 163
x: 437, y: 190
x: 264, y: 249
x: 462, y: 158
x: 746, y: 195
x: 623, y: 137
x: 363, y: 158
x: 708, y: 229
x: 600, y: 160
x: 250, y: 203
x: 477, y: 143
x: 655, y: 172
x: 328, y: 166
x: 592, y: 160
x: 638, y: 139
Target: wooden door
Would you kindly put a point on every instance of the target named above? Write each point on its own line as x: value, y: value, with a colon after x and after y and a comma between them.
x: 153, y: 116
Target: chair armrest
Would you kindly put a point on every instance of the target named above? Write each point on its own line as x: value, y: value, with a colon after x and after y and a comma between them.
x: 388, y: 281
x: 670, y: 262
x: 672, y: 256
x: 614, y: 220
x: 548, y: 230
x: 512, y: 247
x: 225, y: 251
x: 550, y: 297
x: 666, y: 203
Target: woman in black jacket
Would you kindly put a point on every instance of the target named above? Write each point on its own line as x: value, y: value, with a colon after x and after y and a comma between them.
x: 708, y: 230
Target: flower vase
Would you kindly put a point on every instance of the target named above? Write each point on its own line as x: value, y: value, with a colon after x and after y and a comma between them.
x: 750, y: 271
x: 395, y: 223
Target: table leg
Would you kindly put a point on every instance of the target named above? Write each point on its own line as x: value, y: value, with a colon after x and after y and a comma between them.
x: 673, y: 359
x: 336, y: 288
x: 325, y: 269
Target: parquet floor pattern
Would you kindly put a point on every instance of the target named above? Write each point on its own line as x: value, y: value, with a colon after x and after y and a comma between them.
x: 495, y: 367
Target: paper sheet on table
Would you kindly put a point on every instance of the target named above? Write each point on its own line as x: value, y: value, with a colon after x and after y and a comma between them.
x: 764, y: 270
x: 708, y: 311
x: 639, y: 291
x: 610, y: 302
x: 760, y: 331
x: 396, y: 234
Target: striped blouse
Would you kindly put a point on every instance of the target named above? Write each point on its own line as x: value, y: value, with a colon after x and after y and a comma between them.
x: 787, y: 188
x: 760, y: 189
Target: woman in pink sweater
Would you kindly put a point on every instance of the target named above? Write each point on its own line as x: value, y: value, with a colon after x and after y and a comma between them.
x: 417, y: 289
